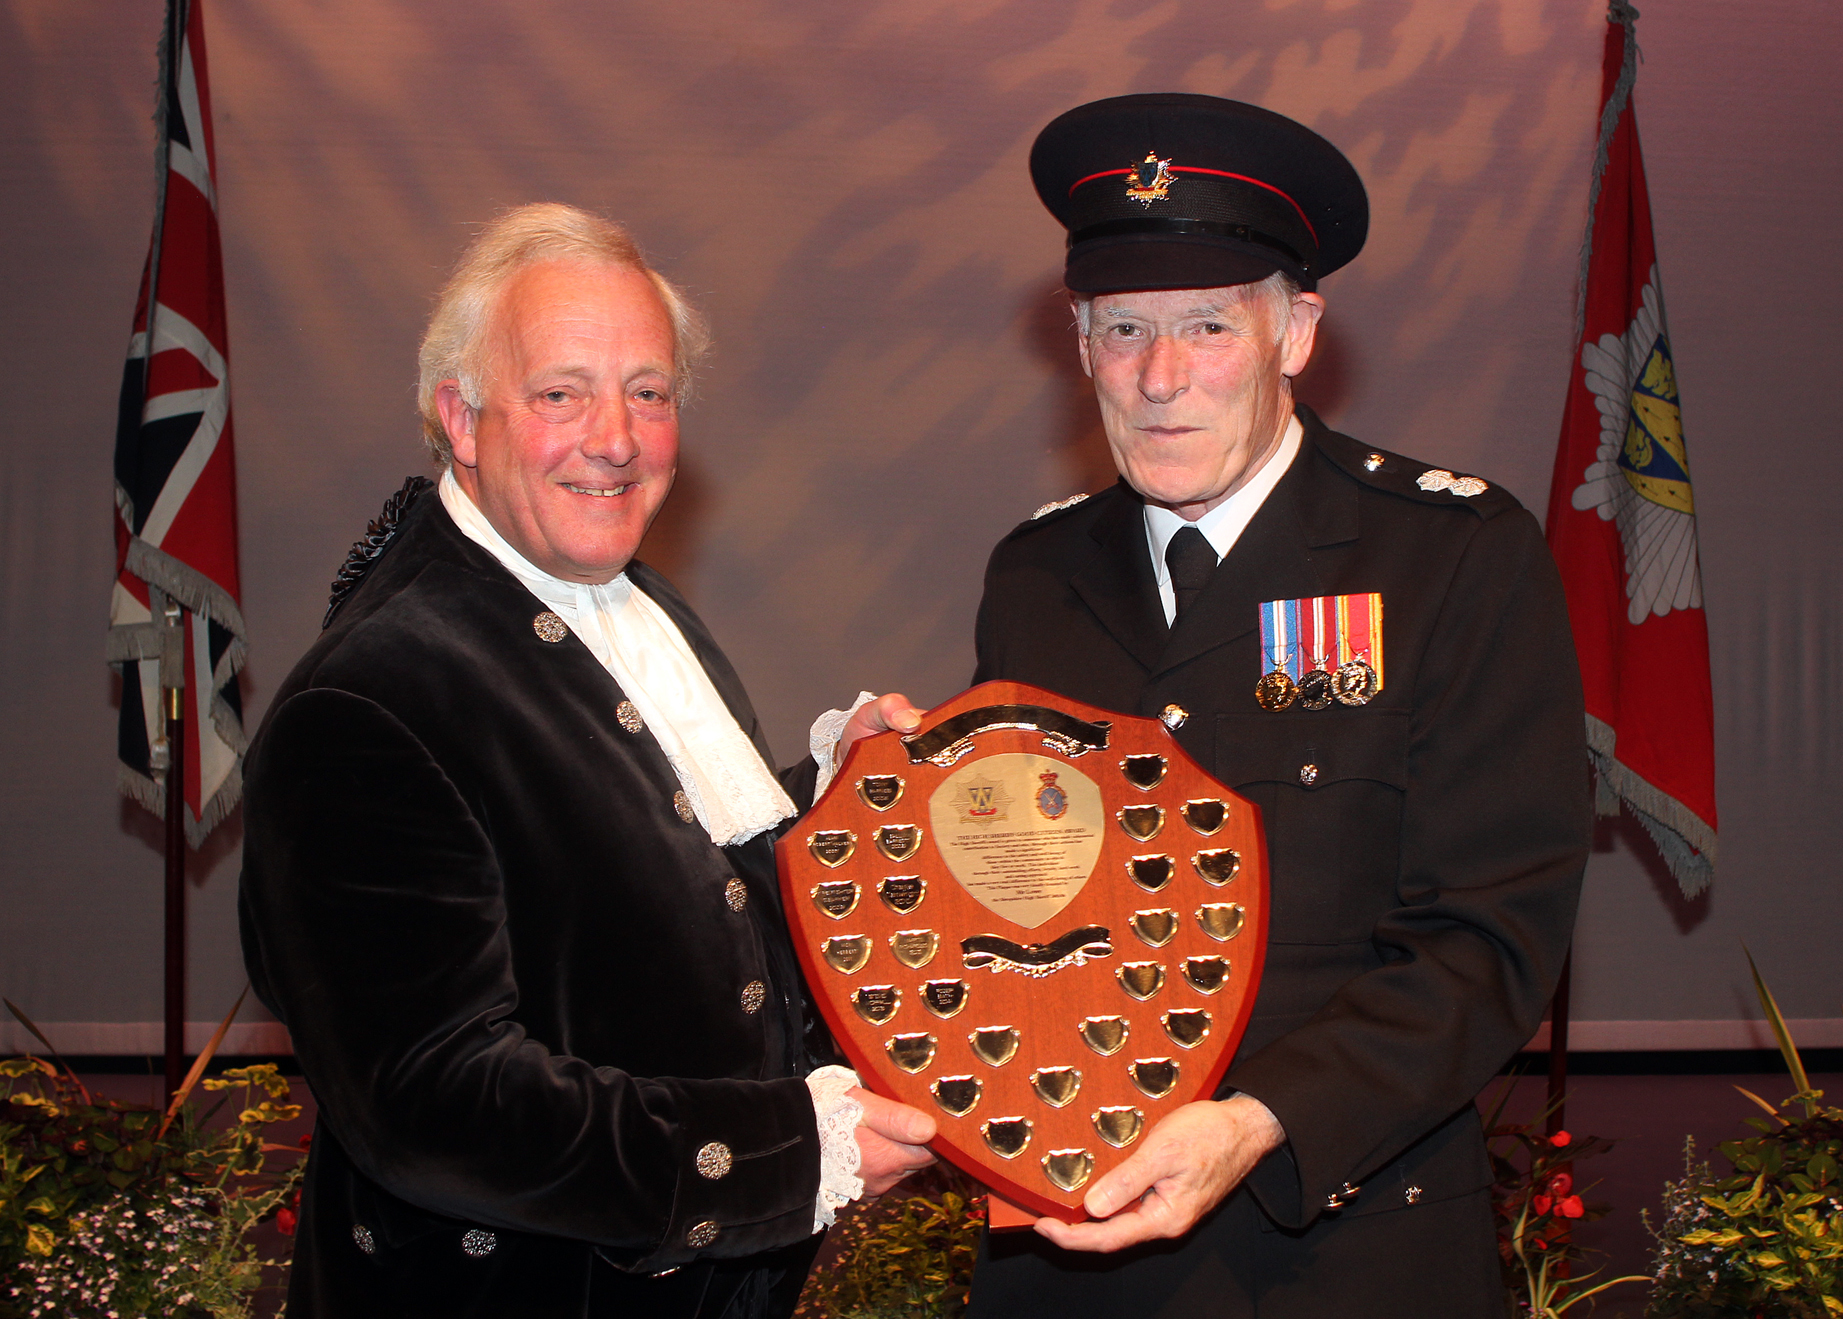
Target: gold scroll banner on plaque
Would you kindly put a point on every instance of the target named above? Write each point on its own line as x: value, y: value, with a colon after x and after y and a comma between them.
x: 1040, y: 921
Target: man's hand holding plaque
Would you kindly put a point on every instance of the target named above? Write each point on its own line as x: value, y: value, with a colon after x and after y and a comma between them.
x: 1038, y: 920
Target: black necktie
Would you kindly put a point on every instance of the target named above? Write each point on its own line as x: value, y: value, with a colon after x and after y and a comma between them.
x: 1191, y: 559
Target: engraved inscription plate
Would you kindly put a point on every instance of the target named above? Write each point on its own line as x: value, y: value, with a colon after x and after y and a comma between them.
x: 1068, y: 1170
x: 1150, y: 873
x: 1206, y: 815
x: 902, y: 894
x: 846, y: 953
x: 1056, y: 1086
x: 880, y: 791
x: 911, y: 1052
x: 1144, y: 772
x: 1187, y: 1026
x: 944, y: 998
x: 1218, y: 865
x: 914, y: 948
x: 1141, y: 979
x: 1105, y: 1035
x: 1119, y: 1125
x: 1221, y: 921
x: 1020, y: 832
x: 1206, y: 974
x: 898, y: 842
x: 996, y: 1045
x: 956, y: 1094
x: 837, y: 900
x: 1156, y: 927
x: 1007, y: 1136
x: 832, y: 847
x: 876, y: 1003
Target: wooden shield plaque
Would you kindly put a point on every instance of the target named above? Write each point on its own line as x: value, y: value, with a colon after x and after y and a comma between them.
x: 1038, y: 920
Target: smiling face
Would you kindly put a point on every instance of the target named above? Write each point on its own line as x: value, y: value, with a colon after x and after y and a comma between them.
x: 575, y: 443
x: 1195, y: 385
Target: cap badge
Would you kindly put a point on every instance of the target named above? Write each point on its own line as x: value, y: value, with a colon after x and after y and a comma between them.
x: 1150, y: 180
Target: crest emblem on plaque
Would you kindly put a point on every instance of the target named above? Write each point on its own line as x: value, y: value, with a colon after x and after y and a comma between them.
x: 1048, y: 949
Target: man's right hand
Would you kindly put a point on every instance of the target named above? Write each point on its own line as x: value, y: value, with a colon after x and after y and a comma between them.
x: 892, y: 1141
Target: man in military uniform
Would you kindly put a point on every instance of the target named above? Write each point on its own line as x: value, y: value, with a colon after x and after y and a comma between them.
x: 508, y: 869
x: 1377, y: 654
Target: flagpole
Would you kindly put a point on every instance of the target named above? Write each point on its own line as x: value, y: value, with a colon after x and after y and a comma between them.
x: 173, y: 707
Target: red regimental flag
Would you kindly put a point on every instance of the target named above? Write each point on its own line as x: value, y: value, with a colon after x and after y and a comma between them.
x: 1622, y: 516
x: 175, y: 472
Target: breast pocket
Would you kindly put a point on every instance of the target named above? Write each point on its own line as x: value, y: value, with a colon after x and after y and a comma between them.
x: 1330, y: 785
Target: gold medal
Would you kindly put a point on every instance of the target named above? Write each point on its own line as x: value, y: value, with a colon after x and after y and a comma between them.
x: 1354, y: 683
x: 1315, y: 690
x: 1275, y: 691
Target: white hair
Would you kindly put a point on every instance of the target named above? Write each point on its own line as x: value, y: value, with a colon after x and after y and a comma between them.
x: 1281, y: 287
x: 453, y: 345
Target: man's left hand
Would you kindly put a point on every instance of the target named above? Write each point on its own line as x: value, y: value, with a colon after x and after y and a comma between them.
x: 1183, y: 1168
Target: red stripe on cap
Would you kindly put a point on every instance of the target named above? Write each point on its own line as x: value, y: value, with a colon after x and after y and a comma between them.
x: 1218, y: 173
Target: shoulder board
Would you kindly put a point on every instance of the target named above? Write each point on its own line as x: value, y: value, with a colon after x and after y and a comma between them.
x: 1056, y: 506
x: 376, y: 539
x: 1413, y: 479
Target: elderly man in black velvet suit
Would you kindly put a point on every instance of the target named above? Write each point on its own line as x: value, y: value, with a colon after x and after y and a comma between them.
x: 508, y: 870
x: 1377, y: 654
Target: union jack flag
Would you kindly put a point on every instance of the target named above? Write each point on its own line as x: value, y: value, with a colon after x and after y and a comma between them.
x: 175, y: 473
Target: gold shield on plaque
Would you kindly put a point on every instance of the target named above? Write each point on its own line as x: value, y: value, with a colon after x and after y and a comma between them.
x: 876, y: 1003
x: 1206, y: 815
x: 956, y: 1094
x: 1150, y: 873
x: 1221, y: 921
x: 898, y: 842
x: 1104, y: 1035
x: 1068, y: 1170
x: 996, y: 1045
x: 1187, y: 1026
x: 1056, y: 1086
x: 847, y: 952
x: 1119, y: 1125
x: 914, y: 948
x: 902, y: 894
x: 1218, y: 865
x: 832, y: 847
x: 880, y: 791
x: 1142, y: 823
x: 1144, y: 772
x: 1155, y: 1077
x: 837, y: 900
x: 911, y: 1052
x: 944, y: 998
x: 1156, y: 927
x: 1141, y: 979
x: 1020, y: 832
x: 1007, y: 1136
x: 1206, y: 974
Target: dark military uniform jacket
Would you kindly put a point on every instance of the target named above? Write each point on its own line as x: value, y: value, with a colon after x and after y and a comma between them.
x: 553, y: 1031
x: 1425, y: 849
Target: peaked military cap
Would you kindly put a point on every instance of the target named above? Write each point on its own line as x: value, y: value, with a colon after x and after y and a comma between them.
x: 1175, y: 191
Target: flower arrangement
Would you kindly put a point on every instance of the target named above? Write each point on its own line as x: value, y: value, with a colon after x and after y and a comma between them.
x: 1766, y: 1241
x: 902, y: 1258
x: 118, y: 1211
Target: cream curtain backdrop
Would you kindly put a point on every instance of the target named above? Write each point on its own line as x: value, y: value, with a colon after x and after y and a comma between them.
x: 841, y: 183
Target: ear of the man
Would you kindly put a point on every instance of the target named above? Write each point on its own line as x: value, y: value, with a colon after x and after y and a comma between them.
x: 1301, y: 333
x: 457, y: 420
x: 1081, y: 338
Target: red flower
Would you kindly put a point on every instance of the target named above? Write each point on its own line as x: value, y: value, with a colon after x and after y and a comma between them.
x: 1540, y: 1204
x: 1571, y: 1207
x: 1560, y: 1140
x: 307, y: 1140
x: 285, y: 1220
x: 1560, y: 1184
x: 1539, y: 1244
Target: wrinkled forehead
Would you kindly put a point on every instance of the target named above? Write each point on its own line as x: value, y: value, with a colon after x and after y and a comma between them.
x: 1176, y: 304
x: 569, y: 306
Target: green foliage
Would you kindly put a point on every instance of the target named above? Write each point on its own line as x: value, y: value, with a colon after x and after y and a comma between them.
x: 902, y: 1258
x: 110, y: 1209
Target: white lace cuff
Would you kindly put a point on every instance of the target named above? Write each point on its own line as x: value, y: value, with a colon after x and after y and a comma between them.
x: 823, y: 741
x: 839, y: 1159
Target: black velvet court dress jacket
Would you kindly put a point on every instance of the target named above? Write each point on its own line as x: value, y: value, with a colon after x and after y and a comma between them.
x: 553, y: 1031
x: 1424, y: 871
